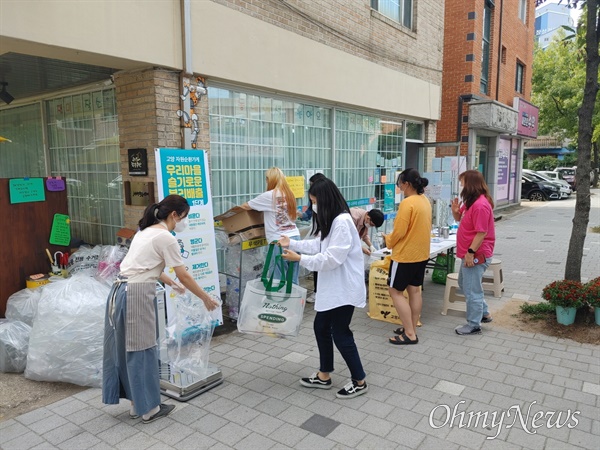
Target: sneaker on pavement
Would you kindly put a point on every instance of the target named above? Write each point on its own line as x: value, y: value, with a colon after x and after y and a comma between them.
x: 486, y: 319
x: 310, y: 298
x: 315, y: 382
x: 352, y: 389
x: 467, y: 329
x: 163, y: 411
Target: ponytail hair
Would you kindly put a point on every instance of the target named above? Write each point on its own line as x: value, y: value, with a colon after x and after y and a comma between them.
x: 412, y: 177
x: 160, y: 211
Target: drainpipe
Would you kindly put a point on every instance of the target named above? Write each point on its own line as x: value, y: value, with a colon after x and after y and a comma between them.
x: 499, y: 51
x: 187, y: 71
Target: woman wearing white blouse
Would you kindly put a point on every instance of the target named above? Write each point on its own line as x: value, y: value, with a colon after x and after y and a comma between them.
x: 337, y: 255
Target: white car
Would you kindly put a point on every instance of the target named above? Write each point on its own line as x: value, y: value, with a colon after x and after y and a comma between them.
x: 564, y: 191
x: 556, y: 176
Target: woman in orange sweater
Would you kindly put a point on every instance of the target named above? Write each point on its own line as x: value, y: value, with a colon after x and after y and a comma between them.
x: 410, y: 242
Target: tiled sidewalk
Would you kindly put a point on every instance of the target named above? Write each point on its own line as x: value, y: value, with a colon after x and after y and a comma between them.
x: 261, y: 405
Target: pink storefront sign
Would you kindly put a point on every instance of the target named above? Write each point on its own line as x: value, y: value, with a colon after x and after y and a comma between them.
x: 527, y: 124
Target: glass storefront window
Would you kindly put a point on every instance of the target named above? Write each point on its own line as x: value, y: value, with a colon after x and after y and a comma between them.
x: 250, y: 133
x: 24, y: 155
x: 83, y: 141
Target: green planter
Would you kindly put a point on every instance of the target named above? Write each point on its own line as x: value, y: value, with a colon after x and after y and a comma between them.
x: 597, y: 314
x: 566, y: 316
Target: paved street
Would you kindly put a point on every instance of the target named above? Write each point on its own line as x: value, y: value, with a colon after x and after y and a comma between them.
x: 261, y: 405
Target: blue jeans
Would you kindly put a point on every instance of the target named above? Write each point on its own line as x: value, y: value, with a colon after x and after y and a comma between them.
x: 277, y: 275
x: 470, y: 282
x: 331, y: 327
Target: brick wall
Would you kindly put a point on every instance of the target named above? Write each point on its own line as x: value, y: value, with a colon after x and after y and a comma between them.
x: 147, y: 101
x: 462, y: 59
x: 353, y: 27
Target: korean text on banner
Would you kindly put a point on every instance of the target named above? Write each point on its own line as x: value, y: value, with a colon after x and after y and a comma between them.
x: 184, y: 172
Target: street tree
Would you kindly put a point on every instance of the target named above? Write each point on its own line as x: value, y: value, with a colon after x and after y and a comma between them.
x: 589, y: 39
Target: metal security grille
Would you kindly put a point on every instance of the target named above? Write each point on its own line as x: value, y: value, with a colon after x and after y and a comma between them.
x: 83, y: 140
x: 250, y: 133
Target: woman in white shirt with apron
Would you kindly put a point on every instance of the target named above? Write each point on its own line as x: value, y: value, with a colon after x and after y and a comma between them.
x: 130, y: 333
x: 337, y: 255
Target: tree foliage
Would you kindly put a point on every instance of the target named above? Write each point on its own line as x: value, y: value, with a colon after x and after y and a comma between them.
x: 586, y: 45
x: 544, y: 163
x: 557, y: 80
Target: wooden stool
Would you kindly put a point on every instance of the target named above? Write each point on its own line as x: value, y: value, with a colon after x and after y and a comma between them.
x: 495, y: 281
x: 451, y: 296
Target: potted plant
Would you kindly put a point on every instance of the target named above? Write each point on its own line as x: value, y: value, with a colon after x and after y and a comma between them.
x: 592, y: 296
x: 566, y: 296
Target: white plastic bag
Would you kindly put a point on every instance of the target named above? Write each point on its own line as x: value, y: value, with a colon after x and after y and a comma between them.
x: 84, y: 260
x: 189, y: 333
x: 109, y: 263
x: 67, y: 339
x: 14, y: 341
x: 23, y: 305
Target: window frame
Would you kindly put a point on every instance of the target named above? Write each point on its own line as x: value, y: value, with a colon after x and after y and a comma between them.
x: 520, y: 77
x: 403, y: 18
x: 522, y: 14
x: 486, y: 38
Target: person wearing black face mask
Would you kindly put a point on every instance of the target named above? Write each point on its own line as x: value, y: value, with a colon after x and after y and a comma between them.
x: 130, y: 363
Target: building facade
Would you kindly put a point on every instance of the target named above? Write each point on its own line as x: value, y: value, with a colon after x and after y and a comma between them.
x: 549, y: 19
x: 347, y: 87
x: 488, y: 57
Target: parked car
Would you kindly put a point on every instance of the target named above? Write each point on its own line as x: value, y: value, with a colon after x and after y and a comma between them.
x: 555, y: 176
x: 568, y: 173
x: 539, y: 191
x: 565, y: 189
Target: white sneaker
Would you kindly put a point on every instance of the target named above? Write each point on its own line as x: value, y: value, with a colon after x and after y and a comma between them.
x: 310, y: 298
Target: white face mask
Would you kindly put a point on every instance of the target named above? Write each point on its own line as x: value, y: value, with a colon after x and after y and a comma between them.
x: 367, y: 225
x: 181, y: 225
x: 314, y: 208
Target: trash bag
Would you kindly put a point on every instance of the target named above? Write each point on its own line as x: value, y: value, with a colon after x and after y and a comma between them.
x: 14, y: 341
x: 188, y: 334
x: 67, y: 339
x: 109, y: 263
x: 23, y: 305
x: 84, y: 261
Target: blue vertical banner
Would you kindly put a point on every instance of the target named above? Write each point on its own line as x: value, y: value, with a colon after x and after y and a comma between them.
x: 389, y: 198
x: 184, y: 172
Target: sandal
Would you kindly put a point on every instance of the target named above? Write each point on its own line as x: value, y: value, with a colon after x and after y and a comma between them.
x: 399, y: 331
x: 404, y: 341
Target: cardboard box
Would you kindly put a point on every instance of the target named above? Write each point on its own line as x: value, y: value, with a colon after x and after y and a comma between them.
x: 239, y: 219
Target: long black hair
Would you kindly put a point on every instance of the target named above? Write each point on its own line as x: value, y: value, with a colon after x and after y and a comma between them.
x: 160, y: 211
x: 412, y: 177
x: 317, y: 176
x: 330, y: 204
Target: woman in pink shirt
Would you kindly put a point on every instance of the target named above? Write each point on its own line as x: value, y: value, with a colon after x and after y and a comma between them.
x: 474, y: 245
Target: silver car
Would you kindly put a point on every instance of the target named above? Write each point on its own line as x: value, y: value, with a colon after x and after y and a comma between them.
x: 556, y: 176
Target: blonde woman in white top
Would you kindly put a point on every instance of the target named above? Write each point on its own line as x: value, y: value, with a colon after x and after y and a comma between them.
x: 279, y: 207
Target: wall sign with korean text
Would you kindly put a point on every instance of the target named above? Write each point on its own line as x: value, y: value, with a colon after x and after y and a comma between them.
x: 137, y: 161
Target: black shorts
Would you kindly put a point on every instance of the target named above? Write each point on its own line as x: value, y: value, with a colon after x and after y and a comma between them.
x: 401, y: 275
